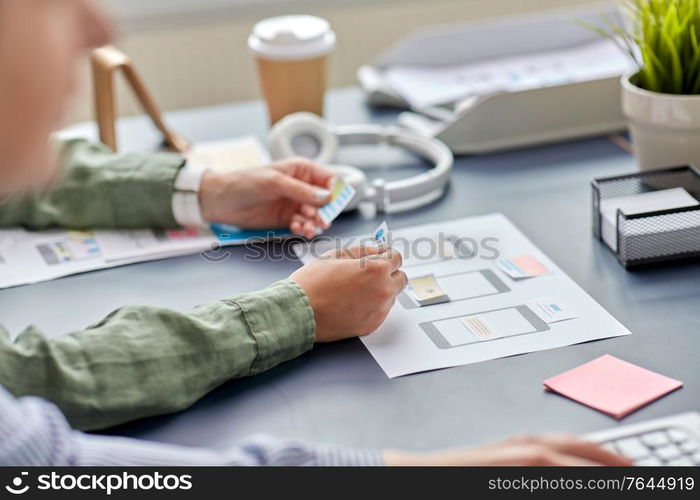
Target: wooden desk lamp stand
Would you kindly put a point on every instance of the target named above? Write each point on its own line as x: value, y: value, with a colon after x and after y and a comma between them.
x: 107, y: 61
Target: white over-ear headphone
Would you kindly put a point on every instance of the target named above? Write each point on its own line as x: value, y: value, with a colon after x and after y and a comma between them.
x: 307, y: 135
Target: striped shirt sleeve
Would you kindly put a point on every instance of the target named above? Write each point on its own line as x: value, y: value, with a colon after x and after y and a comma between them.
x: 33, y: 432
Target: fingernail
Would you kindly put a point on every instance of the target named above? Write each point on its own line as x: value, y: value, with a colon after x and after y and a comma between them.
x: 318, y: 231
x: 322, y: 194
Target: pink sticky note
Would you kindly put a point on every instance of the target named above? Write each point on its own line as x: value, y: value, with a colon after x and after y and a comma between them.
x: 612, y: 386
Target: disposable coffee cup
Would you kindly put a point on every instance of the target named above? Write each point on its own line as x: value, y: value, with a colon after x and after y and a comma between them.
x: 292, y: 54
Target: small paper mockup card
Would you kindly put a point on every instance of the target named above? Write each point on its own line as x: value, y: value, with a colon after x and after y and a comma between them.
x: 426, y: 291
x: 551, y: 310
x: 612, y: 386
x: 381, y: 234
x: 341, y: 195
x: 523, y: 266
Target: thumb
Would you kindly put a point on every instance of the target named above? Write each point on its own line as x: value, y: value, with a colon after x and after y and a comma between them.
x: 302, y: 192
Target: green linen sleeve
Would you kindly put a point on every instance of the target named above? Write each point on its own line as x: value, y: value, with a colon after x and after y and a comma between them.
x: 142, y: 361
x: 97, y: 188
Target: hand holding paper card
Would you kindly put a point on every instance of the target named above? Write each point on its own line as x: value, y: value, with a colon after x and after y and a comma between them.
x: 612, y: 386
x: 479, y: 299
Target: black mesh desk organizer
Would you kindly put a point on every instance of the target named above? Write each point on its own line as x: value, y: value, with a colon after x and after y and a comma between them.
x: 652, y: 237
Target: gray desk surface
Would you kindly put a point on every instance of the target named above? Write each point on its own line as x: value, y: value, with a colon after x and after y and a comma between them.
x: 337, y: 393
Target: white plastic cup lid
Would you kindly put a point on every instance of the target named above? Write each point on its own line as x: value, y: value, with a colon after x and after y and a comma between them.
x: 292, y: 37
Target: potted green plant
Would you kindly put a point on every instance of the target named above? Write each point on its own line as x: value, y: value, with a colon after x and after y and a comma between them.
x: 662, y: 99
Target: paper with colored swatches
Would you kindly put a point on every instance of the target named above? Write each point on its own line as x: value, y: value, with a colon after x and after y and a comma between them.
x: 521, y: 267
x: 612, y: 386
x: 341, y: 195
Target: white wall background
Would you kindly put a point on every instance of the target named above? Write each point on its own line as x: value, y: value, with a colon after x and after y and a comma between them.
x: 193, y: 52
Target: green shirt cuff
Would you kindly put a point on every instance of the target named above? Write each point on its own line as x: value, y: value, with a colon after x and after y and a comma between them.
x: 281, y: 321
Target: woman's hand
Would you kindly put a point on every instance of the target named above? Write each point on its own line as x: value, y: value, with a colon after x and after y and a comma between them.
x: 553, y: 450
x: 283, y: 194
x: 351, y: 291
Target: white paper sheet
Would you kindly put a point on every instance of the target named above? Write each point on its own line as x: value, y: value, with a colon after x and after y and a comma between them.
x: 401, y: 345
x: 230, y: 154
x: 431, y: 86
x: 141, y: 244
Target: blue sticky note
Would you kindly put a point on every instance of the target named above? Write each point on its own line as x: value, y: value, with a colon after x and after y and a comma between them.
x: 233, y: 234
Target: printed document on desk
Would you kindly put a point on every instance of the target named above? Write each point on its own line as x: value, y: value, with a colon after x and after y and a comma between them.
x: 30, y: 257
x: 424, y: 86
x: 489, y: 314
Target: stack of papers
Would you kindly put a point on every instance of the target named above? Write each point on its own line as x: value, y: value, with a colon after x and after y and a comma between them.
x: 424, y: 87
x: 665, y: 199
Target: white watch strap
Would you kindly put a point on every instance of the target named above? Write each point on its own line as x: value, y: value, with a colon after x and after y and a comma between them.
x: 189, y: 178
x: 185, y: 202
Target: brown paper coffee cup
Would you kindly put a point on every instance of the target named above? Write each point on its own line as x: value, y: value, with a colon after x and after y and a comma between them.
x: 292, y: 86
x: 292, y: 54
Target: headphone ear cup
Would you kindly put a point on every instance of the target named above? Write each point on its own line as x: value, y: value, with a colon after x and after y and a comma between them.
x: 303, y: 134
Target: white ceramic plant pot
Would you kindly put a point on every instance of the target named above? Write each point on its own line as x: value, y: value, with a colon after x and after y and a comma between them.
x: 665, y: 128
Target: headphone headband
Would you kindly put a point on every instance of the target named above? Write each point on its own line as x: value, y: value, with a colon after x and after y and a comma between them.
x: 305, y: 134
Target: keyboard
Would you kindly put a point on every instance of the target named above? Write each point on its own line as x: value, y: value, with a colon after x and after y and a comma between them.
x: 666, y: 441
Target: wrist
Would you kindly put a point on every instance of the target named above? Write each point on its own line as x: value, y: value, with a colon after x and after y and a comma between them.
x: 204, y: 188
x: 208, y: 189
